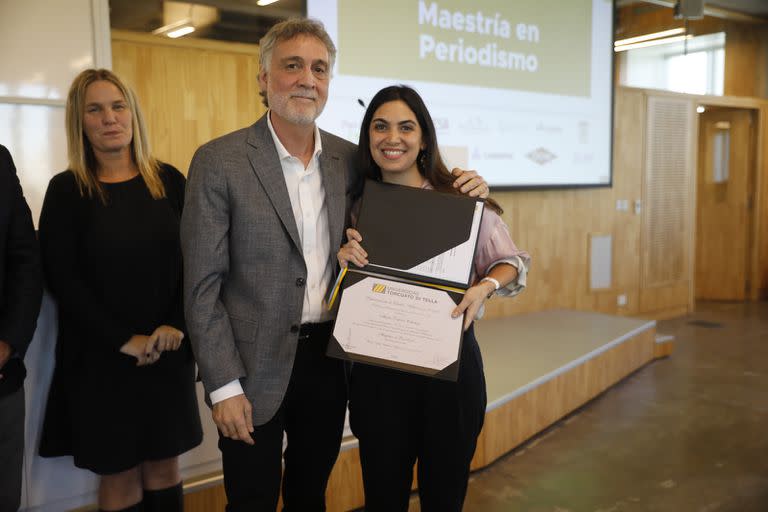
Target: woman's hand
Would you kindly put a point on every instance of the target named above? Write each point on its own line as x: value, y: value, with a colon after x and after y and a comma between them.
x: 470, y: 183
x: 142, y: 348
x: 165, y: 338
x: 352, y: 251
x: 474, y: 297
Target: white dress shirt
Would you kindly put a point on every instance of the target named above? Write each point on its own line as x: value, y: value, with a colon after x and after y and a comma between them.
x: 307, y: 194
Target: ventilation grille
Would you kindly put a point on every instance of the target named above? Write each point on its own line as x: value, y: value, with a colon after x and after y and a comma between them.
x: 668, y: 174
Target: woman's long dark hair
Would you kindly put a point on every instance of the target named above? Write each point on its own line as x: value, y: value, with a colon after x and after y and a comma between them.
x: 429, y: 161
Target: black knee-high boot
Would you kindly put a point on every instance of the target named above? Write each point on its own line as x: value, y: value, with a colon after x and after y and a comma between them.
x: 164, y: 500
x: 139, y: 507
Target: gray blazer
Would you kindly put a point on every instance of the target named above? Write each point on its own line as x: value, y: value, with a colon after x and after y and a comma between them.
x: 244, y: 271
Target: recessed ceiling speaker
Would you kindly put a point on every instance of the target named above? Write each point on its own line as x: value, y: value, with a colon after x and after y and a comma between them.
x: 689, y: 9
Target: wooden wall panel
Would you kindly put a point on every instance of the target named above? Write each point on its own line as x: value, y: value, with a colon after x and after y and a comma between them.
x: 554, y: 226
x: 762, y: 79
x: 210, y: 499
x: 744, y: 71
x: 760, y: 229
x: 345, y: 486
x: 190, y: 91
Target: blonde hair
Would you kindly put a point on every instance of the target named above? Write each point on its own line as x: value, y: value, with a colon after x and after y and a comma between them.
x: 82, y: 160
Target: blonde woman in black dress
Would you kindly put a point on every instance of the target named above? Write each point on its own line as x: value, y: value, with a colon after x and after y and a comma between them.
x: 122, y: 401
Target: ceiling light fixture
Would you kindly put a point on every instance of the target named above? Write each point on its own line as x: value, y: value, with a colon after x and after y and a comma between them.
x: 265, y: 2
x: 176, y: 29
x: 655, y: 42
x: 647, y: 37
x: 181, y: 31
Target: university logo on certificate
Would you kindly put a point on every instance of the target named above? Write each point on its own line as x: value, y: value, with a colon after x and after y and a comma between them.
x: 396, y: 311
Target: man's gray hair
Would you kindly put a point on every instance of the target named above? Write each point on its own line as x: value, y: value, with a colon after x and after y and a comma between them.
x: 289, y: 29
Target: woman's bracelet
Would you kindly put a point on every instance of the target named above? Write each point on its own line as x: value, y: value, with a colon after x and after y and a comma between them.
x: 495, y: 282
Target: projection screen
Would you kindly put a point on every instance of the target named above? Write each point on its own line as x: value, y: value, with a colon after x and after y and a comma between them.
x: 519, y: 90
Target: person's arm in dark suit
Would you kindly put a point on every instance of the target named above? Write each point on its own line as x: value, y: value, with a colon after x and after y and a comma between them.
x: 22, y: 290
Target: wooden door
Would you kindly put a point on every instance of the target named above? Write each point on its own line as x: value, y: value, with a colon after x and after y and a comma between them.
x: 723, y: 209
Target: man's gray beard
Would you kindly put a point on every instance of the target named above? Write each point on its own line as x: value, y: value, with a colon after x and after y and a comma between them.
x: 292, y: 116
x: 302, y: 119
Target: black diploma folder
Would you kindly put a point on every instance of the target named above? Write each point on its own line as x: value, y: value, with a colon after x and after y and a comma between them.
x: 404, y: 228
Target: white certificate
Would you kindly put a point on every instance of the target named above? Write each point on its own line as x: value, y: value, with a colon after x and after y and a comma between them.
x: 399, y: 322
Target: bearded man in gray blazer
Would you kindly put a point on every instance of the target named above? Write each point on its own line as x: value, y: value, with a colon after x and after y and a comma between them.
x: 265, y: 210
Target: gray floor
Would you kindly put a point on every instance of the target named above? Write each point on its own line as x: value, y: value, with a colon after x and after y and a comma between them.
x: 688, y: 433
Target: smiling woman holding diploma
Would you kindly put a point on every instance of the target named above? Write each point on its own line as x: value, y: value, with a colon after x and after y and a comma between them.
x: 400, y: 417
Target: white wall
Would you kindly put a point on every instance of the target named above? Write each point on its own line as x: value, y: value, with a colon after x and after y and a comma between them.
x: 43, y: 45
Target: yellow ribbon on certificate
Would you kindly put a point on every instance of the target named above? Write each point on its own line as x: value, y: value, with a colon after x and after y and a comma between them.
x: 337, y: 285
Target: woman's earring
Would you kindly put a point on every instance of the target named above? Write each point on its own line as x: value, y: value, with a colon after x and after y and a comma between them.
x: 422, y: 158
